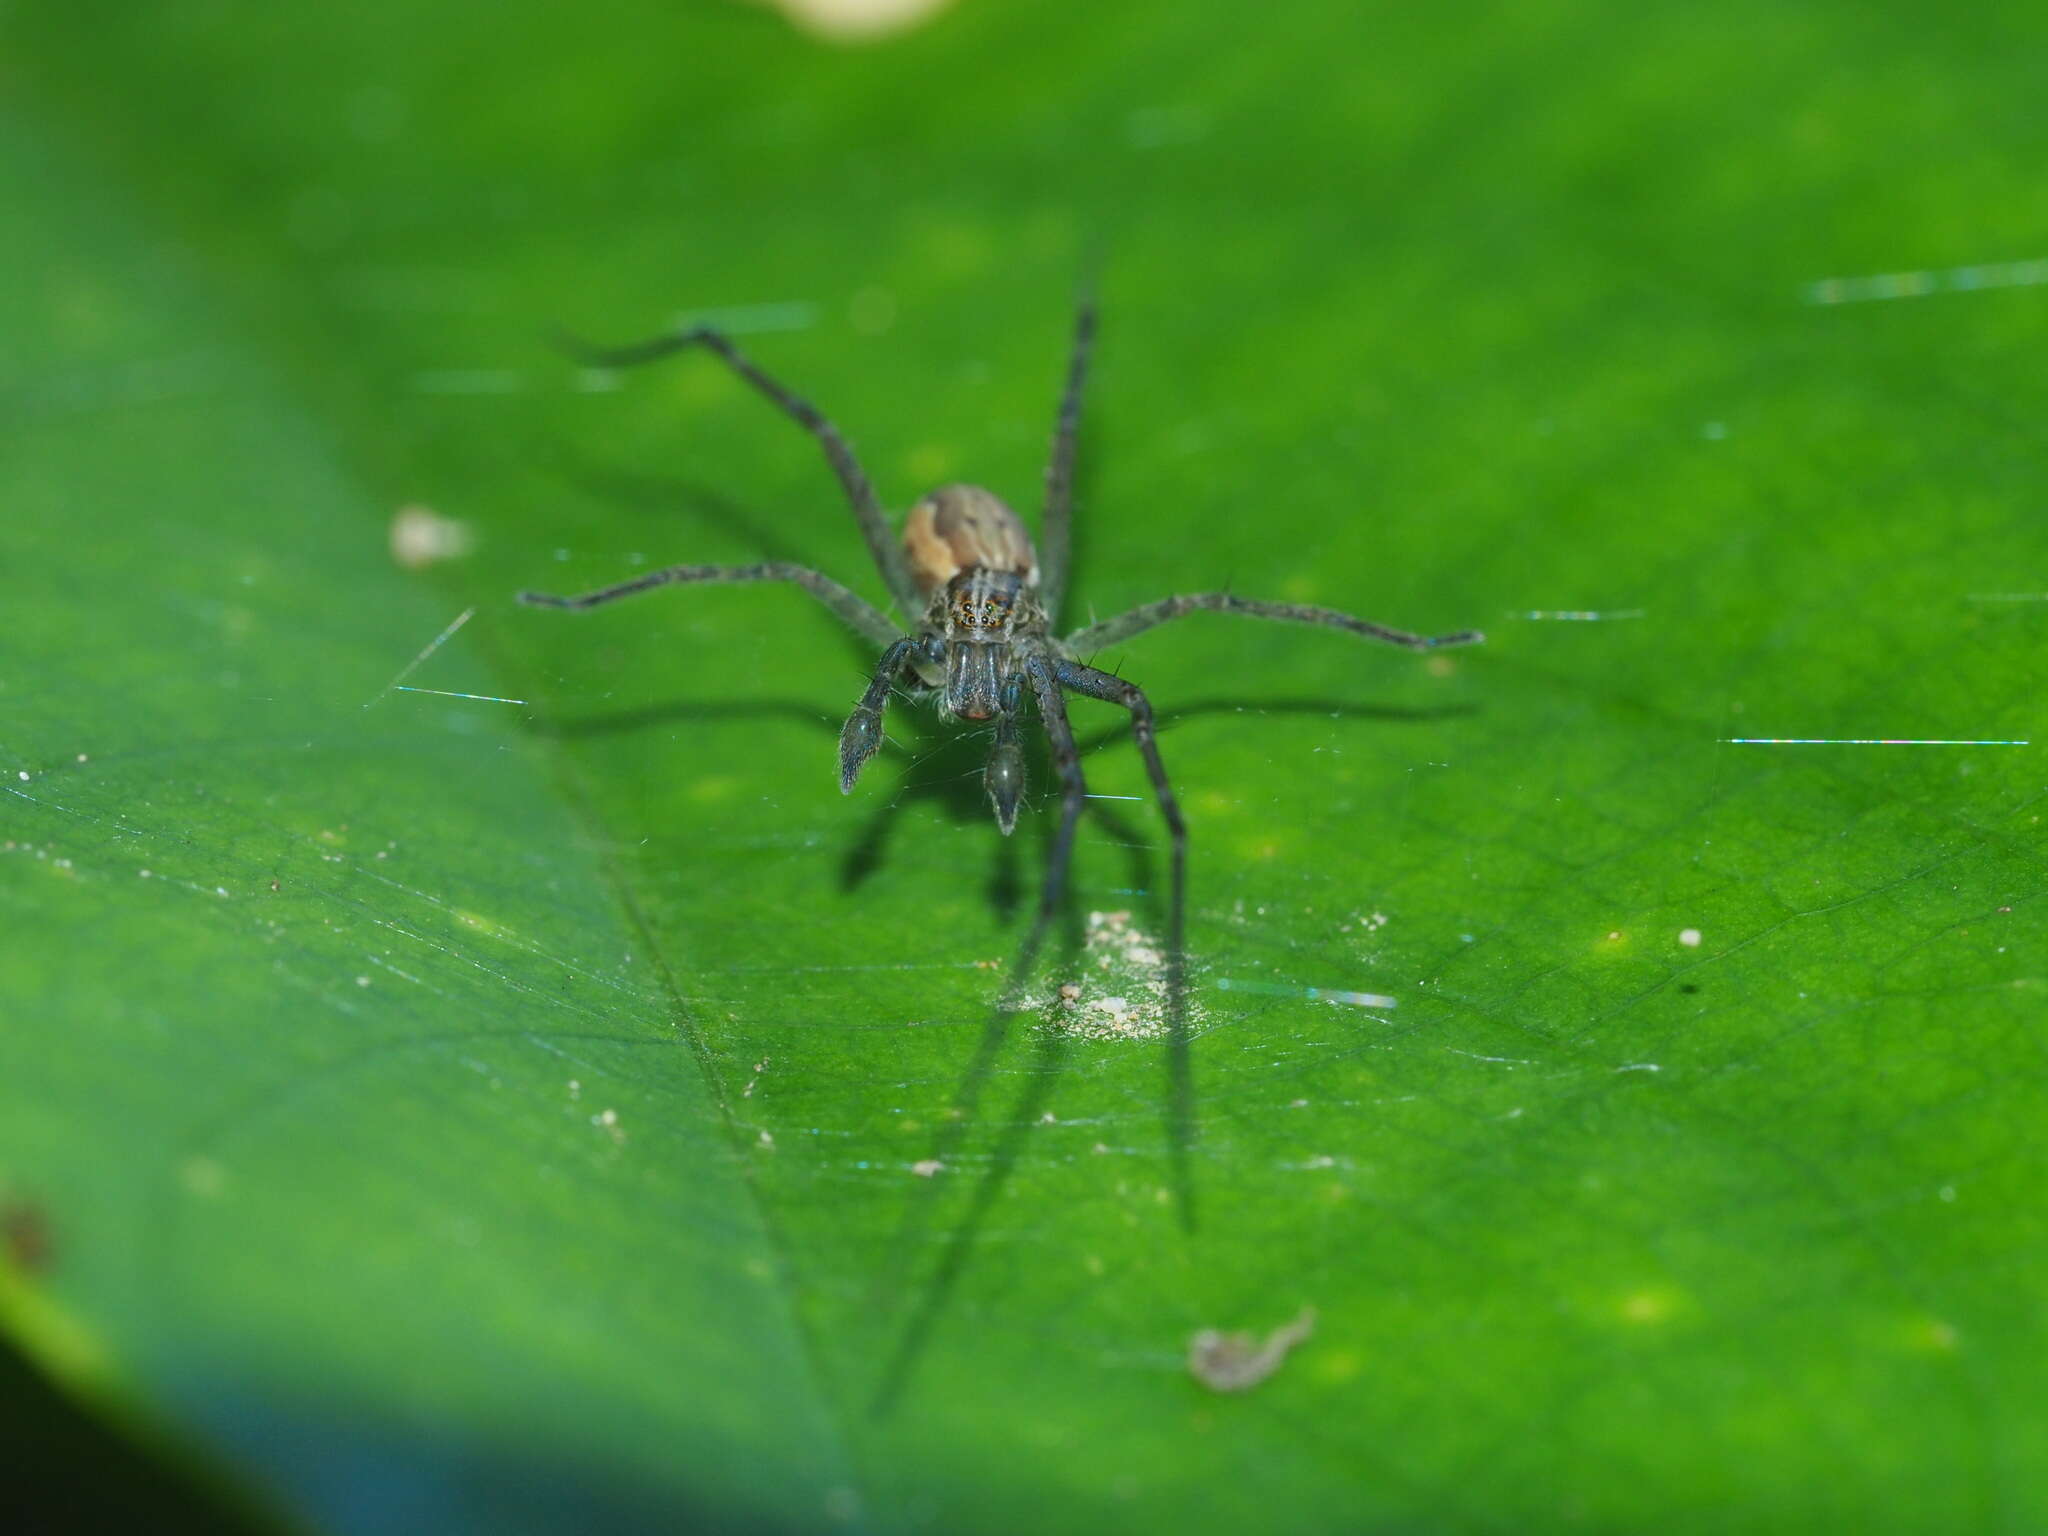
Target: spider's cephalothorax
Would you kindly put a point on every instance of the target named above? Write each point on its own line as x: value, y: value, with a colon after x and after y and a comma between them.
x: 971, y: 558
x: 986, y: 605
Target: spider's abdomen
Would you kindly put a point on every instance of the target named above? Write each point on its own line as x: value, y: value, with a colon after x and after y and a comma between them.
x: 961, y: 528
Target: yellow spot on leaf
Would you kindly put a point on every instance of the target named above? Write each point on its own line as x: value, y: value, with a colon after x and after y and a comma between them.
x: 930, y: 464
x: 1338, y: 1365
x: 1932, y: 1336
x: 203, y: 1176
x: 480, y: 923
x: 1650, y: 1307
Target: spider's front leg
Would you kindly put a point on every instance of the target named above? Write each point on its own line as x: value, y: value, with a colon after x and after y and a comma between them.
x: 862, y: 736
x: 1115, y: 690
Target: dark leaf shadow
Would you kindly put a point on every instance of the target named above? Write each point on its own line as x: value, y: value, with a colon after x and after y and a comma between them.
x: 681, y: 502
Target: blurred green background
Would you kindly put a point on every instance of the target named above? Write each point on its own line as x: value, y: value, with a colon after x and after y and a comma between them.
x: 421, y: 1113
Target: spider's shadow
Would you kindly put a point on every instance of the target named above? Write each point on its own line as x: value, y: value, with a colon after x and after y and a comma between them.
x: 945, y: 766
x: 1040, y: 1074
x: 1047, y: 1054
x: 943, y: 761
x: 652, y: 494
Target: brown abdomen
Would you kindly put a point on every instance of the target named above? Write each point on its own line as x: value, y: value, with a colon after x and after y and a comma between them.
x: 960, y: 527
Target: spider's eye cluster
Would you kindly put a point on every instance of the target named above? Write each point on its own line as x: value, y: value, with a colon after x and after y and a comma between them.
x: 972, y: 612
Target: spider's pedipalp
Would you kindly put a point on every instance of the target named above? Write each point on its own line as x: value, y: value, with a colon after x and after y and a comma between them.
x: 861, y: 738
x: 1004, y: 776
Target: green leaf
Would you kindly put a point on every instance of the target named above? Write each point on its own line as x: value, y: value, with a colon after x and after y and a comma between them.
x: 546, y: 1104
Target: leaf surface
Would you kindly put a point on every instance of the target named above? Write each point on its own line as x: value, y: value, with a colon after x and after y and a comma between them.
x: 571, y: 1113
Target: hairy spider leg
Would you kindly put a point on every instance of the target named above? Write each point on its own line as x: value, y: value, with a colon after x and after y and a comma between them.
x: 850, y: 606
x: 1115, y: 690
x: 1059, y: 470
x: 862, y: 737
x: 867, y: 509
x: 1142, y: 618
x: 1066, y: 762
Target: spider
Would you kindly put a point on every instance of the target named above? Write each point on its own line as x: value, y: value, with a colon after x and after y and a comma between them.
x: 986, y: 604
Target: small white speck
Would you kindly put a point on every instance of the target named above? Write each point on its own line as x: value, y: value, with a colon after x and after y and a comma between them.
x: 1689, y: 937
x: 420, y: 537
x: 24, y: 775
x: 362, y: 981
x: 842, y: 1504
x: 924, y: 1168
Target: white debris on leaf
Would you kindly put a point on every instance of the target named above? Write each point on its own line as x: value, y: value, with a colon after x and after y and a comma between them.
x: 853, y: 21
x: 1236, y: 1362
x: 1121, y: 992
x: 421, y: 537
